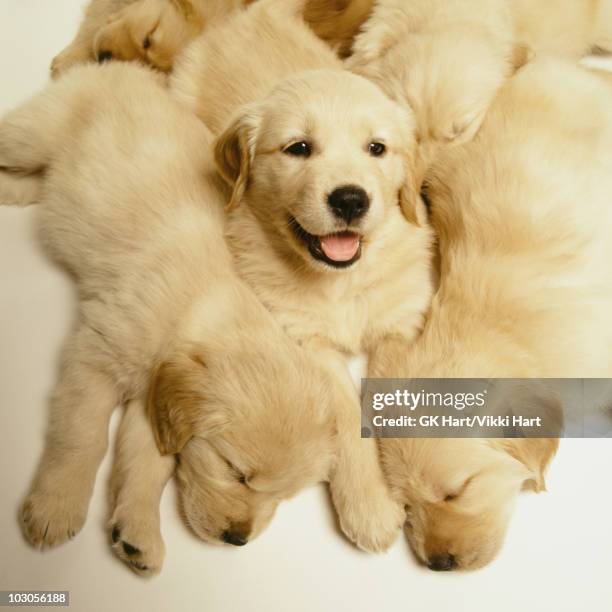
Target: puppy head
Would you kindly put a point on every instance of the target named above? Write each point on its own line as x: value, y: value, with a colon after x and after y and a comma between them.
x: 250, y: 430
x: 322, y: 163
x: 448, y: 77
x: 152, y: 31
x: 459, y: 493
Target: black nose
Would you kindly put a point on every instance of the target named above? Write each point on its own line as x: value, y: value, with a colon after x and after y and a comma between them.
x: 349, y: 202
x: 235, y: 538
x: 442, y: 563
x: 104, y: 56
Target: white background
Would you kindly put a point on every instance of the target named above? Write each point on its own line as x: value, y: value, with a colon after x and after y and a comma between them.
x: 558, y: 554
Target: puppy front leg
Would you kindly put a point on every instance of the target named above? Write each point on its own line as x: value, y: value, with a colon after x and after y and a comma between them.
x: 388, y: 357
x: 367, y: 513
x: 138, y: 479
x: 56, y: 506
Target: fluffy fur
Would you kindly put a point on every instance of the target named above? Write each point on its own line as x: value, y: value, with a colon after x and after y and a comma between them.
x: 131, y: 207
x: 448, y: 58
x: 522, y: 214
x: 258, y: 47
x: 280, y: 215
x: 152, y: 31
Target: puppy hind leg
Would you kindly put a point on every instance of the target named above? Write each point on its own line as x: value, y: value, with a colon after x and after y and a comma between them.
x: 138, y: 479
x: 55, y: 509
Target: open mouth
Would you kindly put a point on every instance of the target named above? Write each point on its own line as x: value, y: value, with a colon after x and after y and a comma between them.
x: 338, y: 250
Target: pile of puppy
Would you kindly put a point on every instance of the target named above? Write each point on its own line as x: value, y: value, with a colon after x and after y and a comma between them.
x: 269, y: 190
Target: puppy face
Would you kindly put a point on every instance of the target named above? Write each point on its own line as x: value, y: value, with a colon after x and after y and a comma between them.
x: 459, y: 493
x: 321, y: 162
x: 249, y: 433
x: 152, y: 31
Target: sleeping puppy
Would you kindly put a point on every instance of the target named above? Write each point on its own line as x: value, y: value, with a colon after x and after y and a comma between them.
x: 152, y: 31
x: 162, y: 313
x: 523, y: 217
x: 156, y: 31
x: 448, y: 58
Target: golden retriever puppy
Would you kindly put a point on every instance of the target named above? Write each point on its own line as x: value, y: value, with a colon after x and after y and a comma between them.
x: 523, y: 217
x: 152, y: 31
x: 131, y: 206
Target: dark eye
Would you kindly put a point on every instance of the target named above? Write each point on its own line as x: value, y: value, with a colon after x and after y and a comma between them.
x: 240, y: 477
x: 425, y: 196
x: 377, y: 149
x: 450, y: 497
x: 299, y: 149
x: 146, y: 43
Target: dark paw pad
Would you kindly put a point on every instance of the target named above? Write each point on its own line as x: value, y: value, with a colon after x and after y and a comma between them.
x: 139, y: 566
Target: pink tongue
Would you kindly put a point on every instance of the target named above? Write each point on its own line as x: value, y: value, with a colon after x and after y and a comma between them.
x: 340, y: 247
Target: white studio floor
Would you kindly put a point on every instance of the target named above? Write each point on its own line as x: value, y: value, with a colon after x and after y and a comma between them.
x: 558, y: 554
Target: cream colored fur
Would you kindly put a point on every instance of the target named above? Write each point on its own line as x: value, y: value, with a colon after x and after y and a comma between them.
x: 335, y: 313
x: 152, y: 31
x: 258, y: 47
x: 156, y: 31
x: 523, y: 215
x: 131, y: 206
x: 448, y: 58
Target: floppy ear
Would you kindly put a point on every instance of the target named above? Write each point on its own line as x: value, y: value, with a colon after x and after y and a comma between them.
x: 186, y: 8
x: 234, y: 151
x: 411, y: 204
x: 534, y: 453
x: 522, y: 54
x: 175, y: 401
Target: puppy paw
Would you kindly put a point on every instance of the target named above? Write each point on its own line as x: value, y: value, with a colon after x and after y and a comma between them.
x: 66, y: 59
x: 374, y: 523
x: 137, y: 541
x: 49, y: 519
